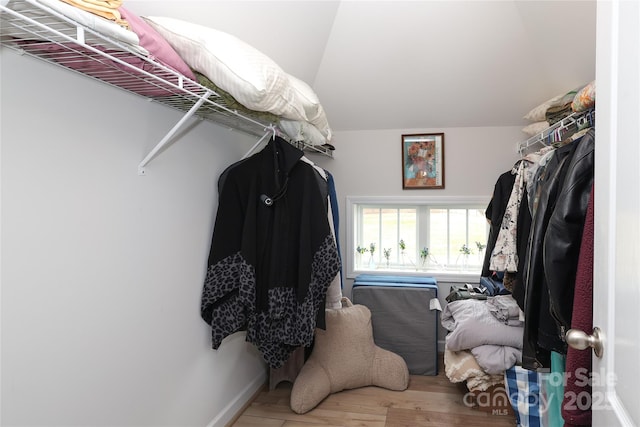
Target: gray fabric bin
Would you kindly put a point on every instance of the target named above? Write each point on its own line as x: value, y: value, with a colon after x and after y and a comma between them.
x: 402, y: 320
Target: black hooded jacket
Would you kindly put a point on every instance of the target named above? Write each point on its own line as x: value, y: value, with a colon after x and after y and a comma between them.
x: 273, y: 253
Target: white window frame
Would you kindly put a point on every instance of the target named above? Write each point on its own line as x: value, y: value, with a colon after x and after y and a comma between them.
x: 442, y: 201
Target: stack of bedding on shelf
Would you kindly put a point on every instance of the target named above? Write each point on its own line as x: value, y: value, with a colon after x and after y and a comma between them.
x: 107, y: 9
x: 173, y: 61
x: 122, y: 51
x: 253, y: 79
x: 559, y: 107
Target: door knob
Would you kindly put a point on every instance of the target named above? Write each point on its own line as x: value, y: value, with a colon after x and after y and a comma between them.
x: 581, y: 340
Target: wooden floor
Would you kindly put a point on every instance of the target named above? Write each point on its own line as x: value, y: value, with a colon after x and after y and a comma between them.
x: 430, y: 401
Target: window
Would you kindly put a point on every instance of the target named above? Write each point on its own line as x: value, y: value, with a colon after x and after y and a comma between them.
x: 436, y: 235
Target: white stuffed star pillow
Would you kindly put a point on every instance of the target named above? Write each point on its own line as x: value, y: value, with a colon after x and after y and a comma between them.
x: 344, y: 356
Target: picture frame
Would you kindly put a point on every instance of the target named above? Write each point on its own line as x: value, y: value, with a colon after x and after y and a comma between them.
x: 423, y: 161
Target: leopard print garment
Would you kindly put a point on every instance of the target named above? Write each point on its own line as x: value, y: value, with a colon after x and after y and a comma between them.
x: 229, y: 293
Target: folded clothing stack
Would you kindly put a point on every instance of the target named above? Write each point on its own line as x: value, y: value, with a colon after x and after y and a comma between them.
x: 105, y: 8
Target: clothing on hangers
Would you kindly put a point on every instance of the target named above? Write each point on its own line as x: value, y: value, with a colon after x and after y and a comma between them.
x: 554, y: 239
x: 494, y: 214
x: 504, y: 256
x: 270, y: 265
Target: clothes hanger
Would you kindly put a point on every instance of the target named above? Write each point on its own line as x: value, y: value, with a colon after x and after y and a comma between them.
x: 269, y: 131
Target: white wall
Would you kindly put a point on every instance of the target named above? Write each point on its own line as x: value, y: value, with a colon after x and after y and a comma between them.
x: 102, y: 269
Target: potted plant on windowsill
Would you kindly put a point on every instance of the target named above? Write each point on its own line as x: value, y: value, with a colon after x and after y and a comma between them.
x: 372, y: 261
x: 465, y: 251
x: 402, y: 246
x: 481, y: 248
x: 424, y: 257
x: 387, y: 255
x: 360, y: 250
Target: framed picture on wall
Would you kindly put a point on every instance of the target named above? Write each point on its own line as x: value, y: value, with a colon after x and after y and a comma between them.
x: 423, y: 161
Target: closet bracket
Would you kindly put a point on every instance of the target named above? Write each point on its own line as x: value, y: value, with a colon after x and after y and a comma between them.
x: 171, y: 133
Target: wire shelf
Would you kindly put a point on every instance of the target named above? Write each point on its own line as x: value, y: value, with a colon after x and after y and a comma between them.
x: 32, y: 28
x: 554, y: 133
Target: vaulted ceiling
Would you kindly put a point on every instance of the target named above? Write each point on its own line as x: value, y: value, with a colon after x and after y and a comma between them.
x: 413, y: 64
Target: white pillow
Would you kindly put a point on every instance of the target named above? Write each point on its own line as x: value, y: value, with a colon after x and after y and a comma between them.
x: 302, y: 131
x: 535, y: 128
x: 312, y: 107
x: 538, y: 113
x: 247, y: 74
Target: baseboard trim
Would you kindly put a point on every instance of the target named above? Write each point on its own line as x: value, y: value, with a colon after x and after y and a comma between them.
x: 230, y: 413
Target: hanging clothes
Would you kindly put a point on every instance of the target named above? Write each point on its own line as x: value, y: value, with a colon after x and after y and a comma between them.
x: 554, y: 388
x: 333, y: 200
x: 273, y: 253
x: 514, y: 280
x: 494, y: 213
x: 334, y: 291
x: 579, y: 362
x: 564, y: 233
x: 550, y: 270
x: 504, y: 256
x: 536, y: 302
